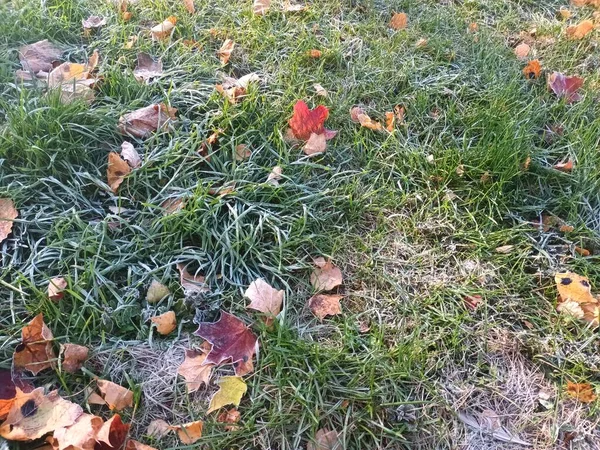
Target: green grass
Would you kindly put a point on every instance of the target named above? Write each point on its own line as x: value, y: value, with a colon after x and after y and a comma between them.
x: 413, y: 237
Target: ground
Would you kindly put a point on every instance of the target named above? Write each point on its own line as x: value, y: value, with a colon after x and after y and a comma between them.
x: 412, y: 217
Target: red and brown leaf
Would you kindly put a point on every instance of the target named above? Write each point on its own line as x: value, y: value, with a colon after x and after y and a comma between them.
x: 35, y: 352
x: 305, y: 121
x: 112, y: 435
x: 565, y: 87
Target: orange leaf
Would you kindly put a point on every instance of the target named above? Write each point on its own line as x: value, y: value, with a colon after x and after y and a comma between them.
x: 230, y: 417
x: 35, y: 352
x: 584, y: 392
x: 164, y: 29
x: 522, y: 50
x: 574, y: 287
x: 112, y: 435
x: 399, y: 21
x: 566, y: 166
x: 8, y: 213
x: 116, y: 397
x: 189, y: 432
x: 135, y: 445
x: 189, y: 5
x: 194, y: 370
x: 582, y: 251
x: 532, y: 69
x: 390, y: 120
x: 165, y: 323
x: 323, y: 305
x: 116, y: 171
x: 314, y: 53
x: 73, y: 357
x: 580, y: 30
x: 80, y: 435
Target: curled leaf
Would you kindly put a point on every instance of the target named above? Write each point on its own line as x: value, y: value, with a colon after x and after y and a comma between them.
x: 93, y: 22
x: 130, y: 154
x: 116, y: 397
x: 56, y: 288
x: 164, y: 29
x: 260, y: 7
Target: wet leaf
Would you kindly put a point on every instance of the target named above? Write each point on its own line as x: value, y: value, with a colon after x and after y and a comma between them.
x: 8, y: 213
x: 316, y: 143
x: 325, y: 439
x: 56, y: 288
x: 164, y: 29
x: 580, y: 30
x: 189, y: 432
x: 264, y: 298
x: 147, y: 68
x: 165, y: 323
x: 79, y: 436
x: 399, y: 21
x: 224, y: 53
x: 74, y: 356
x: 116, y: 397
x: 194, y: 370
x: 565, y: 87
x: 323, y: 305
x: 191, y: 283
x: 231, y: 391
x: 231, y: 341
x: 156, y: 292
x: 35, y: 352
x: 143, y: 122
x: 305, y: 121
x: 532, y: 70
x: 39, y: 56
x: 260, y: 7
x: 325, y: 276
x: 584, y: 392
x: 116, y: 171
x: 130, y: 154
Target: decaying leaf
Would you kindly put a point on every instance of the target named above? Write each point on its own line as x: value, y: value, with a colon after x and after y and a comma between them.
x: 231, y: 341
x: 305, y: 121
x: 8, y: 213
x: 56, y: 288
x: 116, y: 397
x: 189, y: 432
x: 164, y: 29
x: 191, y: 283
x: 316, y: 143
x: 33, y: 414
x: 194, y: 370
x: 260, y: 7
x: 229, y: 417
x: 325, y: 439
x: 472, y: 301
x: 73, y: 357
x: 38, y: 57
x: 189, y: 5
x: 325, y: 276
x: 231, y: 391
x: 116, y: 171
x: 242, y: 152
x: 224, y: 53
x: 275, y: 176
x: 35, y: 352
x: 112, y: 434
x: 158, y: 428
x: 233, y: 94
x: 156, y: 292
x: 565, y: 87
x: 130, y: 154
x: 147, y: 68
x: 79, y: 436
x: 584, y: 392
x: 9, y: 383
x: 399, y: 21
x: 93, y: 22
x: 522, y: 50
x: 143, y: 122
x: 74, y: 80
x: 264, y: 298
x: 533, y: 69
x: 165, y: 323
x: 580, y: 30
x: 358, y: 115
x: 323, y: 305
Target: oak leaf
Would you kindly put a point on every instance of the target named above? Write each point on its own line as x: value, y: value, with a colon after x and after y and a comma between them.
x: 325, y: 439
x: 189, y: 432
x: 156, y: 292
x: 116, y: 397
x: 147, y: 68
x: 79, y: 436
x: 56, y: 288
x: 165, y: 323
x: 8, y: 213
x: 112, y: 435
x: 580, y: 30
x: 39, y: 56
x: 323, y: 305
x: 533, y: 69
x: 116, y: 171
x: 73, y: 357
x: 565, y: 87
x: 224, y: 53
x: 325, y: 276
x: 231, y: 391
x: 305, y: 121
x: 264, y: 298
x: 143, y: 122
x: 194, y: 370
x: 231, y: 340
x: 35, y: 352
x: 584, y: 392
x: 399, y: 21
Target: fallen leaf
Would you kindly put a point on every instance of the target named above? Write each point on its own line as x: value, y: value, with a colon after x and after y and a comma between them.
x: 143, y: 122
x: 260, y: 7
x: 315, y: 53
x: 172, y: 205
x: 147, y: 68
x: 580, y: 30
x: 399, y: 111
x: 231, y: 340
x: 158, y: 428
x: 522, y: 50
x: 572, y: 286
x: 584, y: 392
x: 130, y: 154
x: 325, y: 276
x: 8, y: 213
x: 189, y: 432
x: 565, y: 87
x: 323, y: 305
x: 399, y: 21
x: 566, y: 166
x: 56, y: 288
x: 486, y: 177
x: 231, y: 391
x: 112, y: 435
x: 194, y: 370
x: 93, y: 22
x: 33, y: 414
x: 126, y: 16
x: 264, y: 298
x: 564, y: 13
x: 275, y: 176
x: 116, y: 171
x: 116, y: 397
x: 230, y: 417
x: 566, y: 228
x: 325, y: 440
x: 73, y: 357
x: 316, y: 143
x: 130, y: 42
x: 242, y: 152
x: 39, y: 56
x: 473, y: 27
x: 189, y: 5
x: 582, y: 251
x: 358, y: 115
x: 224, y: 53
x: 135, y: 445
x: 305, y: 121
x: 35, y: 352
x: 532, y: 70
x: 79, y: 436
x: 505, y: 249
x: 9, y: 383
x: 320, y: 90
x: 191, y: 283
x: 165, y: 323
x: 570, y: 308
x: 472, y: 301
x: 156, y: 292
x: 291, y: 7
x: 421, y: 43
x: 233, y: 94
x: 390, y: 120
x: 164, y: 29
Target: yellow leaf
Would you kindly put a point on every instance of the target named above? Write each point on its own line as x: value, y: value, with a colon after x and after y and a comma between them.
x: 231, y: 391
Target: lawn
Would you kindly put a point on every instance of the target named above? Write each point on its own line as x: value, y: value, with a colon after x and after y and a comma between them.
x: 448, y: 229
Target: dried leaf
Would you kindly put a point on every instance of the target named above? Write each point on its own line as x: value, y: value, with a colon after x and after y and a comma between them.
x: 8, y: 213
x: 224, y: 53
x: 564, y: 13
x: 532, y: 70
x: 472, y: 301
x: 116, y: 397
x: 358, y: 115
x: 165, y: 323
x: 231, y: 391
x: 399, y: 111
x: 260, y: 7
x: 522, y: 50
x: 34, y: 414
x: 194, y: 370
x: 582, y: 251
x: 135, y: 445
x: 574, y: 287
x: 242, y: 152
x: 584, y: 392
x: 112, y: 434
x: 566, y: 166
x: 390, y: 121
x: 305, y: 121
x: 323, y: 305
x: 580, y: 30
x: 79, y: 436
x: 264, y: 298
x: 143, y: 122
x: 275, y: 176
x: 473, y: 27
x: 156, y: 292
x: 172, y: 205
x: 565, y: 87
x: 320, y: 90
x: 317, y: 143
x: 505, y: 249
x: 158, y: 428
x: 35, y: 352
x: 8, y: 391
x: 231, y: 340
x: 421, y: 43
x: 116, y: 171
x: 56, y: 288
x: 230, y: 417
x: 571, y: 309
x: 191, y: 283
x: 164, y: 29
x: 233, y: 94
x: 130, y: 154
x: 325, y: 276
x: 325, y: 440
x: 147, y: 68
x: 73, y: 357
x: 93, y: 22
x: 189, y: 5
x: 399, y: 21
x: 289, y: 7
x: 39, y: 56
x: 315, y: 53
x: 189, y: 432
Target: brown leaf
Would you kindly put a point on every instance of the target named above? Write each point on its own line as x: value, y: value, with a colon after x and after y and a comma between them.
x: 325, y: 440
x: 399, y: 111
x: 165, y: 323
x: 156, y: 292
x: 224, y: 53
x: 143, y: 122
x: 230, y: 416
x: 189, y: 5
x: 505, y: 249
x: 35, y: 352
x: 325, y: 276
x: 315, y: 53
x: 320, y: 90
x: 399, y: 21
x: 164, y: 29
x: 79, y: 436
x: 93, y: 22
x: 8, y: 213
x: 191, y: 283
x: 260, y: 7
x: 584, y: 392
x: 358, y: 115
x: 135, y: 445
x: 56, y: 288
x: 116, y: 397
x: 421, y: 43
x: 172, y: 205
x: 390, y: 120
x: 580, y: 30
x: 582, y: 251
x: 472, y: 301
x: 522, y: 50
x: 323, y: 305
x: 8, y: 391
x: 275, y: 176
x: 194, y: 370
x: 189, y: 432
x: 130, y: 154
x: 34, y: 414
x: 39, y: 56
x: 116, y: 171
x: 264, y: 298
x: 158, y: 428
x: 316, y: 143
x: 473, y: 27
x: 147, y: 68
x: 73, y: 357
x: 112, y: 434
x: 242, y: 152
x: 233, y: 94
x: 564, y: 13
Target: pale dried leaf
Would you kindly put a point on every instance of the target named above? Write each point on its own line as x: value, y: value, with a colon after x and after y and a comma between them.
x: 156, y: 292
x: 130, y: 154
x: 317, y: 143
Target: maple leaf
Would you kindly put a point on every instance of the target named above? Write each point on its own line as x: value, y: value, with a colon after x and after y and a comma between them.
x: 522, y: 50
x: 533, y: 69
x: 38, y: 57
x: 325, y: 276
x: 33, y: 414
x: 56, y: 288
x: 325, y: 440
x: 8, y: 390
x: 305, y: 121
x: 156, y: 292
x: 264, y: 298
x: 565, y: 87
x: 224, y: 53
x: 323, y: 305
x: 260, y: 7
x: 112, y: 435
x: 73, y: 357
x: 81, y: 435
x: 164, y: 29
x: 580, y: 30
x: 165, y: 323
x: 116, y: 171
x: 231, y: 391
x: 399, y: 21
x: 114, y: 396
x: 8, y: 213
x: 147, y: 68
x: 230, y: 338
x: 35, y: 352
x: 194, y: 370
x: 584, y: 392
x: 143, y: 122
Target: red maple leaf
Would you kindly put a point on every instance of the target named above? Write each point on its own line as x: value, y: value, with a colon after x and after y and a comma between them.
x: 306, y: 121
x: 231, y: 340
x: 565, y: 87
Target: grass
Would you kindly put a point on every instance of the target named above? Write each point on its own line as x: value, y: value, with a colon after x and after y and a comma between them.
x: 413, y: 236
